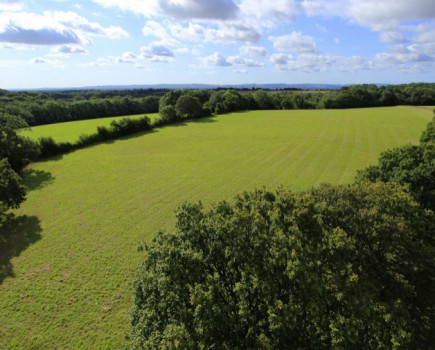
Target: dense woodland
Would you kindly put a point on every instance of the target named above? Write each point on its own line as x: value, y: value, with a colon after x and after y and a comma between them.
x: 39, y: 108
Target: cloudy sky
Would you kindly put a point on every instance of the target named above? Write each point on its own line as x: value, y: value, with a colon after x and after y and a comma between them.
x: 62, y: 43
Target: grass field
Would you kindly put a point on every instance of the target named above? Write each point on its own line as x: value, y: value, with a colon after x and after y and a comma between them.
x: 69, y: 257
x: 71, y: 131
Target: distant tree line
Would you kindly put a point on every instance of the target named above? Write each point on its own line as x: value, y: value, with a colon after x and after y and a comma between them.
x: 46, y: 108
x: 231, y: 100
x: 52, y: 107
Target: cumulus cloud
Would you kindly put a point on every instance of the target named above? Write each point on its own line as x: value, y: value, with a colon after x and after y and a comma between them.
x: 215, y: 59
x: 44, y: 61
x: 318, y: 63
x: 156, y: 53
x: 52, y: 28
x: 11, y: 5
x: 401, y: 54
x: 252, y: 51
x: 294, y: 42
x: 225, y: 32
x: 127, y: 57
x: 153, y: 28
x: 210, y: 9
x: 283, y: 10
x: 179, y: 9
x: 66, y: 50
x: 247, y: 62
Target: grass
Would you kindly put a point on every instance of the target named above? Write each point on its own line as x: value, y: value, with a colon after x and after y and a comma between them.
x: 71, y: 131
x: 68, y: 259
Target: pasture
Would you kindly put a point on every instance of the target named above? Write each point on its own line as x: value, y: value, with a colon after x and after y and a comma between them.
x: 71, y: 131
x: 68, y: 259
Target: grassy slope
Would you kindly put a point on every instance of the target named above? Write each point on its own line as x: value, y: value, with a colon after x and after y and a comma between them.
x: 71, y: 131
x: 72, y: 286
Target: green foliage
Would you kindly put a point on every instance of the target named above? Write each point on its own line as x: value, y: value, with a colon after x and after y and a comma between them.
x: 70, y: 132
x: 12, y: 193
x: 188, y: 106
x: 168, y: 114
x: 263, y: 100
x: 118, y: 128
x: 18, y: 150
x: 336, y: 267
x: 413, y: 166
x: 72, y: 288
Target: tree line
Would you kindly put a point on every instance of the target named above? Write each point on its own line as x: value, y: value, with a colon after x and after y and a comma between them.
x: 52, y: 107
x: 335, y: 267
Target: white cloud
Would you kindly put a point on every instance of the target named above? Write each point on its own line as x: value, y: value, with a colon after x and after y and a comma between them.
x: 179, y: 9
x: 52, y: 28
x: 100, y: 62
x: 380, y: 15
x: 66, y: 50
x: 215, y: 60
x: 225, y: 32
x: 392, y: 37
x: 252, y: 51
x: 283, y: 10
x: 127, y: 57
x: 401, y: 54
x: 294, y: 42
x: 153, y: 28
x: 247, y: 62
x: 11, y: 5
x: 45, y: 61
x: 156, y: 53
x: 210, y: 9
x: 318, y: 63
x: 337, y: 41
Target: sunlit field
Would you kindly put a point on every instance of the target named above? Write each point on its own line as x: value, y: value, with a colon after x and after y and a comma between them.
x: 69, y: 260
x: 71, y: 131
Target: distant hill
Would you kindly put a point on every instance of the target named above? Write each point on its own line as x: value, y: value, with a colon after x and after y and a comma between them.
x: 199, y: 86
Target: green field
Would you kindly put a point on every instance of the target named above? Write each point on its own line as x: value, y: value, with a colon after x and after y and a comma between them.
x: 69, y: 258
x: 71, y: 131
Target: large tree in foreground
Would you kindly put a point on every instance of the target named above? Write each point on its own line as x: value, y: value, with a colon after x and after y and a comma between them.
x: 338, y: 267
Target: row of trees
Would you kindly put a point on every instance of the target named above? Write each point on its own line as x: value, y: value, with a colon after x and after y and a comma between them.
x: 224, y: 101
x: 52, y: 111
x: 52, y: 107
x: 335, y: 267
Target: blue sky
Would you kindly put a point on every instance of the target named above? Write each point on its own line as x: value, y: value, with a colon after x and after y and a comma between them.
x: 62, y: 43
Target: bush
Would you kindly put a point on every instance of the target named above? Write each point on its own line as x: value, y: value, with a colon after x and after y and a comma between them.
x: 168, y: 114
x: 343, y: 267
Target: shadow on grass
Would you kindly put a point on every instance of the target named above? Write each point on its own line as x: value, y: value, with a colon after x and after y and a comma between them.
x: 36, y: 179
x: 16, y: 234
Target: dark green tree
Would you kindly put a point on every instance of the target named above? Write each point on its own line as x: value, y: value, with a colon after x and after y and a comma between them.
x: 12, y: 193
x: 338, y: 267
x: 18, y: 150
x: 168, y: 114
x: 188, y: 106
x: 412, y: 166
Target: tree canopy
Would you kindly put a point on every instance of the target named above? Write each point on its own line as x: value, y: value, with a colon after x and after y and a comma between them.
x: 411, y: 165
x: 15, y: 153
x: 347, y: 267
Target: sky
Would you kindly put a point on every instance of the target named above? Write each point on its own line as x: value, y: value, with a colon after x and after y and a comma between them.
x: 62, y: 43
